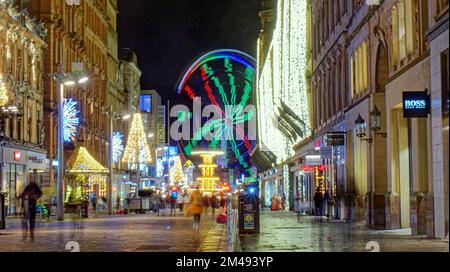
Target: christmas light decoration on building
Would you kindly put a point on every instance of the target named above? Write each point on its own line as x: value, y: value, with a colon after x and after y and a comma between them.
x: 282, y: 77
x: 4, y: 98
x: 83, y: 162
x: 83, y: 174
x: 71, y: 119
x: 118, y: 146
x: 136, y: 149
x: 208, y: 181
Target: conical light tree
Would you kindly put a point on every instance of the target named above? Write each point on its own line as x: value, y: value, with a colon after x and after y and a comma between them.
x: 178, y: 173
x: 136, y: 149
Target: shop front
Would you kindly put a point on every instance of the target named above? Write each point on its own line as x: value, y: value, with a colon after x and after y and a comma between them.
x: 410, y: 193
x: 20, y: 166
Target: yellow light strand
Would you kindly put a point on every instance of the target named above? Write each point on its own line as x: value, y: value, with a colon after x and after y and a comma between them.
x: 4, y: 98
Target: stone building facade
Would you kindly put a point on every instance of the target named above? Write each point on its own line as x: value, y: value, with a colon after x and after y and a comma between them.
x: 438, y: 39
x: 22, y: 47
x: 77, y: 32
x: 364, y: 57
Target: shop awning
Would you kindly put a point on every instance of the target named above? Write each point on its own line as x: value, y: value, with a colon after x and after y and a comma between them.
x: 262, y: 159
x: 82, y: 162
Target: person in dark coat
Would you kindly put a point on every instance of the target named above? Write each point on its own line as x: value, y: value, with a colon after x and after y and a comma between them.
x: 318, y: 203
x: 29, y: 197
x: 213, y: 204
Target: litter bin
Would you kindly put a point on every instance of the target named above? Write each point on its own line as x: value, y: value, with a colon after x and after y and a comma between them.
x: 248, y: 214
x: 2, y: 212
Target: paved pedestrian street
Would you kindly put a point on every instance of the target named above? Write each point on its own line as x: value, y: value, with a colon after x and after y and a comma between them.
x: 285, y: 231
x: 136, y: 233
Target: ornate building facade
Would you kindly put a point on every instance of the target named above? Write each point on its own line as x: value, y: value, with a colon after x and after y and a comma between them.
x: 438, y: 39
x: 380, y: 167
x: 77, y: 33
x: 22, y: 46
x: 364, y: 58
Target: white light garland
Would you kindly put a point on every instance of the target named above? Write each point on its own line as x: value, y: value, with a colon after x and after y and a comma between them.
x: 283, y: 77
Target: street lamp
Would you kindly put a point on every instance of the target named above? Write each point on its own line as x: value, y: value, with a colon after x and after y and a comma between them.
x: 113, y: 116
x: 375, y: 125
x: 375, y: 116
x: 64, y: 79
x: 360, y: 127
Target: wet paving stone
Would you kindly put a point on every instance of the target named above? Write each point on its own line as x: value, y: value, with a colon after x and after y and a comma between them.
x: 285, y: 231
x: 111, y: 234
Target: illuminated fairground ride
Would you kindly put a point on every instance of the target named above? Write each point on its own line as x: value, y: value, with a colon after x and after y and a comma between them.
x: 224, y: 78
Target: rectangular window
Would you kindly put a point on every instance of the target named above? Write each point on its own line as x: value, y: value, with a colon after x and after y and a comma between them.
x: 409, y: 26
x: 402, y: 29
x: 360, y: 70
x: 364, y: 65
x: 352, y: 76
x: 394, y: 35
x: 146, y: 103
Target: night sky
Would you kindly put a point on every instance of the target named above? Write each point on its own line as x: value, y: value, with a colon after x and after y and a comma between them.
x: 168, y: 35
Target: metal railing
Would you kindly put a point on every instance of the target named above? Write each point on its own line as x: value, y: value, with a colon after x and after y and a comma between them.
x: 232, y: 229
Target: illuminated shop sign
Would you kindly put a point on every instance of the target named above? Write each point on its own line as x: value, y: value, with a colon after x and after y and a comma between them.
x: 335, y: 139
x: 416, y: 104
x: 16, y: 155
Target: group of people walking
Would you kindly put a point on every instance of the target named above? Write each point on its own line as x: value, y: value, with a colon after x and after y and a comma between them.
x: 278, y: 202
x: 199, y: 203
x: 322, y: 203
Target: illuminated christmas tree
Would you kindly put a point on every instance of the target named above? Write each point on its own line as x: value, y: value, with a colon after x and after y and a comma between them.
x: 177, y: 170
x: 136, y: 149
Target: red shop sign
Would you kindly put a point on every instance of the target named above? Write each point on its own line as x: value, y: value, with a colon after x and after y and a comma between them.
x: 17, y: 155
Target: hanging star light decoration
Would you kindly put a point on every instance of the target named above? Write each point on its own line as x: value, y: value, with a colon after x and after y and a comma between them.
x: 118, y: 146
x: 3, y: 92
x: 71, y: 119
x: 136, y: 149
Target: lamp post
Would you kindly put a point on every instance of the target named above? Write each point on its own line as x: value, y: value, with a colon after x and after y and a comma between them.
x: 63, y: 79
x: 113, y: 116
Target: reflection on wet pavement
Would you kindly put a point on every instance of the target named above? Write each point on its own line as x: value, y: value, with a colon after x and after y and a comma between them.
x: 117, y: 233
x: 285, y: 231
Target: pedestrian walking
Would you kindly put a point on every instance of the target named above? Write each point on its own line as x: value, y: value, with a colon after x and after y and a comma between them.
x: 180, y: 201
x: 173, y: 204
x: 213, y: 204
x: 283, y: 201
x: 156, y: 204
x: 273, y: 204
x: 29, y: 198
x: 196, y: 207
x: 318, y: 203
x: 279, y: 203
x: 95, y: 204
x: 206, y: 203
